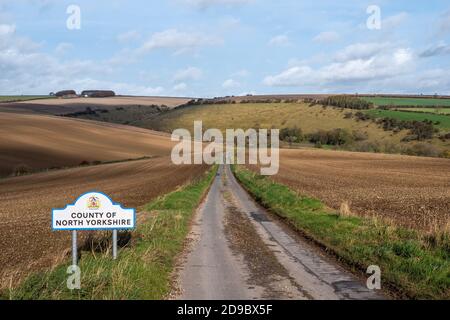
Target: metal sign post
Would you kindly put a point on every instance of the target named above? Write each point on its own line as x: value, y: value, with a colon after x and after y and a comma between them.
x: 74, y: 248
x: 114, y: 244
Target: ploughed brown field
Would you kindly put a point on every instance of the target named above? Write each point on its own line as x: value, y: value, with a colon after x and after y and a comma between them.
x: 410, y: 191
x: 115, y: 101
x: 27, y: 242
x: 42, y: 142
x: 64, y: 106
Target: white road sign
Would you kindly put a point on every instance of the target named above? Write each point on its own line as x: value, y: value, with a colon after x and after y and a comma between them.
x: 93, y: 211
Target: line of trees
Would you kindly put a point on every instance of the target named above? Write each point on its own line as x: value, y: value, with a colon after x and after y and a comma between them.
x: 232, y: 100
x: 348, y: 102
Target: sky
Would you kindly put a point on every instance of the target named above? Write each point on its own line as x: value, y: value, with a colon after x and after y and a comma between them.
x: 207, y: 48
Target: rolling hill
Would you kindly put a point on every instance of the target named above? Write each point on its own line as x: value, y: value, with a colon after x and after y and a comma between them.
x: 309, y: 118
x: 42, y: 142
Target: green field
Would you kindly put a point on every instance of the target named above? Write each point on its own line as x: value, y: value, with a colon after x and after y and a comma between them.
x: 412, y: 116
x: 390, y: 101
x: 22, y: 98
x: 428, y: 110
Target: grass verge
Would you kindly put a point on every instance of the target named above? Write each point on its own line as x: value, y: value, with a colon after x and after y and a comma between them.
x: 416, y: 266
x: 143, y: 267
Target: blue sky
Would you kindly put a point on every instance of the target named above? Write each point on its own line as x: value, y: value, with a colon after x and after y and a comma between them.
x: 204, y: 48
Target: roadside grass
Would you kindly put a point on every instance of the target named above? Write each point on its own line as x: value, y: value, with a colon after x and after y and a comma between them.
x: 144, y: 265
x: 398, y: 101
x: 444, y: 120
x: 413, y: 265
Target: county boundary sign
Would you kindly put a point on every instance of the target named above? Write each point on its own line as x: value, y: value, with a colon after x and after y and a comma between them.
x: 93, y: 211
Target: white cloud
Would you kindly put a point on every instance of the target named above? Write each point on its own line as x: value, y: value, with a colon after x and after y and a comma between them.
x: 179, y: 40
x: 247, y: 93
x: 327, y: 37
x: 436, y: 50
x: 241, y: 73
x: 190, y: 73
x: 230, y: 84
x: 291, y: 77
x: 432, y: 79
x: 203, y: 4
x: 429, y: 81
x: 402, y: 56
x: 444, y: 23
x: 364, y: 65
x: 394, y: 21
x: 229, y: 23
x: 7, y: 29
x: 63, y: 47
x: 118, y: 87
x: 128, y: 36
x: 24, y: 69
x: 360, y: 51
x: 281, y: 40
x: 180, y: 87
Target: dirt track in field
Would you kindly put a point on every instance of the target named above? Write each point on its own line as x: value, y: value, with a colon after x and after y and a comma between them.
x: 42, y: 142
x: 26, y: 240
x: 411, y: 191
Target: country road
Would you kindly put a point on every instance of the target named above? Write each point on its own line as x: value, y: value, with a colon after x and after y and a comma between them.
x: 238, y: 251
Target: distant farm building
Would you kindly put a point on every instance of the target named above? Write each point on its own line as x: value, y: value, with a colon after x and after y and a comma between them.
x: 66, y: 94
x: 98, y: 93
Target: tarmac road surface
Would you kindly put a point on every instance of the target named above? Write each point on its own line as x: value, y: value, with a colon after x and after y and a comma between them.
x: 238, y: 251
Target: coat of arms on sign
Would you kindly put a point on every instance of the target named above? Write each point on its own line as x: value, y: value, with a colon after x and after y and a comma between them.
x: 93, y: 203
